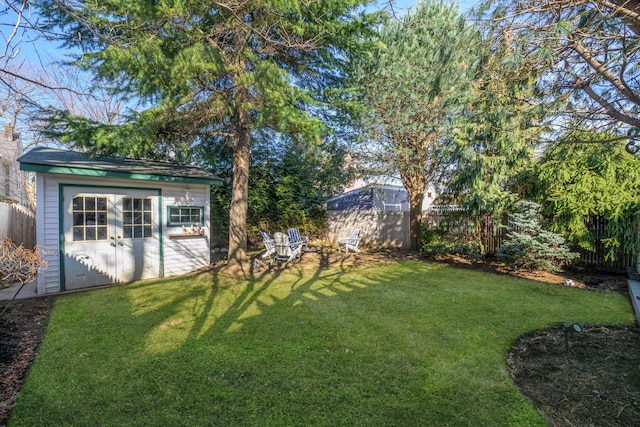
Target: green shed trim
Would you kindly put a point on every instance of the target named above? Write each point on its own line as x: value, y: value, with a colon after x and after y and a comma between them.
x: 101, y: 173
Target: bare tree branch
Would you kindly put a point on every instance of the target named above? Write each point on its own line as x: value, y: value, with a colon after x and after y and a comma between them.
x: 588, y: 51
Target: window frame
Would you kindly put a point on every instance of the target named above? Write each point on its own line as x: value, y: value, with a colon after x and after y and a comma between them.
x: 98, y: 226
x: 184, y: 224
x: 130, y: 227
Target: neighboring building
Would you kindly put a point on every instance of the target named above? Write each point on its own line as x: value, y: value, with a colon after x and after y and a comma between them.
x: 379, y: 208
x: 12, y: 181
x: 109, y: 220
x: 382, y: 194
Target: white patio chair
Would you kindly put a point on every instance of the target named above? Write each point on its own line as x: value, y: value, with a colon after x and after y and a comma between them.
x: 351, y: 242
x: 268, y: 257
x: 286, y: 251
x: 295, y: 238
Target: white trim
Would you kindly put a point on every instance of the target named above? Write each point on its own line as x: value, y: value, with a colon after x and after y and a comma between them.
x: 41, y: 281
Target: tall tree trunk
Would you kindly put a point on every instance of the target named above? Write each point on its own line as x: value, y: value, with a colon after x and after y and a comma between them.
x: 415, y: 219
x: 416, y: 186
x: 239, y: 192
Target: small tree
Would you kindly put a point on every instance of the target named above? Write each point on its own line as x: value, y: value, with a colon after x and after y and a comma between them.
x: 530, y: 246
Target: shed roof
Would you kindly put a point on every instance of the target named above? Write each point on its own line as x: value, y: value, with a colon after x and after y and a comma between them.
x: 52, y: 160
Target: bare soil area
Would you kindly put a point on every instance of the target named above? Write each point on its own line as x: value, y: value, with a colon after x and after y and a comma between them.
x: 595, y: 381
x: 22, y: 327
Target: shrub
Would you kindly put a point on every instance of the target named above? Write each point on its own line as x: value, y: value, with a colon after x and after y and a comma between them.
x: 439, y: 242
x: 18, y: 265
x: 529, y: 245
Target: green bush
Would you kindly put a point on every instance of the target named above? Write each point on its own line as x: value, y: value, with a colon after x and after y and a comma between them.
x: 529, y: 245
x: 439, y: 242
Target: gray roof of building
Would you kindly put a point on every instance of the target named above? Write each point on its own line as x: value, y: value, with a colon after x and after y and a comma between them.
x: 47, y: 159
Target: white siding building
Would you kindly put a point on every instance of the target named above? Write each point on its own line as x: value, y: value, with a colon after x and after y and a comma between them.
x: 111, y: 220
x: 12, y: 180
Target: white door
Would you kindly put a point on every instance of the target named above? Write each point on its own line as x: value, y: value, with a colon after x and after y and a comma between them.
x: 110, y: 236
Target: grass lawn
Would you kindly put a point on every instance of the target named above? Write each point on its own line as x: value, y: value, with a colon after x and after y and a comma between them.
x: 403, y: 343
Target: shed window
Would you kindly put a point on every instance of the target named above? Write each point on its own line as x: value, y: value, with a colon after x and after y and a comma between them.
x: 137, y: 218
x: 185, y: 215
x: 89, y: 218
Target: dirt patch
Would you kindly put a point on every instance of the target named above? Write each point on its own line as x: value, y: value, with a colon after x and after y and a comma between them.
x: 595, y: 383
x: 22, y: 327
x: 593, y: 280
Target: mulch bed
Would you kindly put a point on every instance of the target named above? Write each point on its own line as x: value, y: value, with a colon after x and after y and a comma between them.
x: 22, y: 327
x: 595, y: 383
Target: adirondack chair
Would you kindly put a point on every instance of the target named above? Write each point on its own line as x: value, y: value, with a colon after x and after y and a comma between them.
x: 296, y: 238
x: 269, y: 256
x: 351, y: 242
x: 286, y: 251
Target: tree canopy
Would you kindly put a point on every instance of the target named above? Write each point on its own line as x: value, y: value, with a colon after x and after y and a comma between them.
x: 589, y: 52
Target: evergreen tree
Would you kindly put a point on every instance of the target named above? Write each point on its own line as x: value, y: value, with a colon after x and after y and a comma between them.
x: 212, y: 71
x: 414, y: 82
x: 581, y: 182
x: 588, y: 51
x: 497, y: 133
x: 529, y: 244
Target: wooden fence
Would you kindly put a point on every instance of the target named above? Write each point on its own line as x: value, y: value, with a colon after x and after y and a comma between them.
x: 493, y: 234
x: 598, y: 226
x: 491, y: 231
x: 379, y: 229
x: 18, y: 223
x: 390, y: 229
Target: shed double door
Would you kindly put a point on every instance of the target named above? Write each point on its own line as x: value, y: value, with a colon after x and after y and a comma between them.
x: 110, y: 236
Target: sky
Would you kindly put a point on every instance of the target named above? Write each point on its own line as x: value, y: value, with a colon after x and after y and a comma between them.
x: 403, y: 5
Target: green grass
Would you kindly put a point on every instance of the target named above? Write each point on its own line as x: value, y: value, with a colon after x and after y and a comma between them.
x: 408, y: 343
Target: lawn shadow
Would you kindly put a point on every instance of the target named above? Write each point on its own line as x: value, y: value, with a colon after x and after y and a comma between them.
x: 212, y: 304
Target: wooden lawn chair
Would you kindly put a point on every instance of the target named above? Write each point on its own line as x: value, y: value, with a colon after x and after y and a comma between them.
x: 286, y: 251
x: 351, y: 242
x: 268, y: 257
x: 295, y: 238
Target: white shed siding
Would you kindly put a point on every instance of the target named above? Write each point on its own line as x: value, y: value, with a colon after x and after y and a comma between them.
x: 48, y: 232
x: 182, y: 255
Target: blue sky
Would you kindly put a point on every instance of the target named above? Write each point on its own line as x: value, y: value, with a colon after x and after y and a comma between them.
x: 403, y: 5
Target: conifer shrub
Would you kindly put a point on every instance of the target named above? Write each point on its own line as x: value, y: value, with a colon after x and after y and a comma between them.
x: 529, y: 245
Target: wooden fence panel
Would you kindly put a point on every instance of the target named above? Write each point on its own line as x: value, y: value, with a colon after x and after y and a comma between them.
x: 379, y: 229
x: 18, y: 223
x: 493, y: 235
x: 390, y: 229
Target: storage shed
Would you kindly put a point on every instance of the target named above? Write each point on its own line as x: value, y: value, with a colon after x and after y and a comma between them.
x: 106, y: 220
x: 379, y: 208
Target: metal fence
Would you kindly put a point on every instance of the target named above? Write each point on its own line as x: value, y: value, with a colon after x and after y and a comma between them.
x: 18, y: 223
